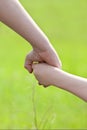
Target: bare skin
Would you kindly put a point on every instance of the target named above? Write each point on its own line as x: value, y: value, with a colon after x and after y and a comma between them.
x: 15, y: 16
x: 48, y: 75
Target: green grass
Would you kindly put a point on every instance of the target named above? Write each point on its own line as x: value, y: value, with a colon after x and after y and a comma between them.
x: 65, y: 23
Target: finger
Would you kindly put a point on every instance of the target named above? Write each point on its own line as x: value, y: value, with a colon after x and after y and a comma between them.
x: 45, y: 86
x: 28, y: 67
x: 28, y: 63
x: 39, y: 83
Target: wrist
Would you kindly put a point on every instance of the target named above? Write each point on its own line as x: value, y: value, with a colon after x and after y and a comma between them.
x: 60, y: 79
x: 42, y: 44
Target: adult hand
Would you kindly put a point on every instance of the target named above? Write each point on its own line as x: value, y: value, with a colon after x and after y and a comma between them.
x: 16, y: 17
x: 48, y: 56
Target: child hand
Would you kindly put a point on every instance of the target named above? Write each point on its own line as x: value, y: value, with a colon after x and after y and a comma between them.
x: 44, y: 73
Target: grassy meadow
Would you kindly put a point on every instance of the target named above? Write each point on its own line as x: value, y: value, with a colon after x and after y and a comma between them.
x: 23, y: 103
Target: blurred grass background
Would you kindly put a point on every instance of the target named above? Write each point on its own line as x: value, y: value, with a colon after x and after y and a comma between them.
x: 65, y: 23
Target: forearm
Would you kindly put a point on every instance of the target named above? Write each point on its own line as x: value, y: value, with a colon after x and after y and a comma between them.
x: 71, y: 83
x: 14, y: 15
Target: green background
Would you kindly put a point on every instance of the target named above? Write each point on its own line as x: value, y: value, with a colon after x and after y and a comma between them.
x: 24, y: 104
